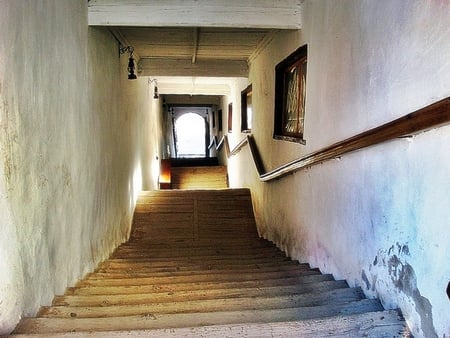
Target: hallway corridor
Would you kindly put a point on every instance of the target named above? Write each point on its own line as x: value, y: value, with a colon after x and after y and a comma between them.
x: 328, y: 121
x: 186, y: 272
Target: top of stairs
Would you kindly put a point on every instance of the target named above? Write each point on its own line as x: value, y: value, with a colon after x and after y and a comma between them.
x: 203, y: 177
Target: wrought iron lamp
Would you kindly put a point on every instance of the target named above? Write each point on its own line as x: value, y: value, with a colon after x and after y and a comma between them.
x: 131, y: 66
x: 155, y: 90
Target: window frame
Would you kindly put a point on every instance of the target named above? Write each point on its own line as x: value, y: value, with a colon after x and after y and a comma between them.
x: 246, y: 109
x: 230, y: 117
x: 219, y: 120
x: 297, y: 60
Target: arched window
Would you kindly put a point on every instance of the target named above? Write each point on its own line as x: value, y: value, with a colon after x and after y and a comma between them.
x: 190, y: 135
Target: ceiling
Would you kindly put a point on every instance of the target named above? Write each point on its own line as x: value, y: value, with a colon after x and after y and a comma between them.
x: 194, y: 43
x: 195, y: 39
x: 194, y: 51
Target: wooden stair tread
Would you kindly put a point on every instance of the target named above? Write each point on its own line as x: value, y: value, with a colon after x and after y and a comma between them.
x: 235, y: 276
x: 210, y: 261
x: 152, y: 321
x: 337, y: 296
x: 200, y: 262
x: 368, y: 324
x: 140, y: 270
x: 212, y: 257
x: 197, y: 294
x: 221, y: 245
x: 260, y: 252
x: 173, y: 287
x: 182, y: 273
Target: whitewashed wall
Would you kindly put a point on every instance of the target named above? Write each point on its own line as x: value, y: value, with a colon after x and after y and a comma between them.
x: 236, y: 86
x: 378, y: 217
x: 75, y: 150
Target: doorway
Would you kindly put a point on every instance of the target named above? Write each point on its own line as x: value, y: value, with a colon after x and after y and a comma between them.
x: 190, y: 131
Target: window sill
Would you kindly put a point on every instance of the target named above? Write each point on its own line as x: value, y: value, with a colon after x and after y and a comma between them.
x: 290, y: 139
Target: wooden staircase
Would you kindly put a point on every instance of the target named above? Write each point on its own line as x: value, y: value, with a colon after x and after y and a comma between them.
x: 195, y: 267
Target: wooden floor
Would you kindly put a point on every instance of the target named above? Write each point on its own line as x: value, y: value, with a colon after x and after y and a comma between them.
x: 195, y: 267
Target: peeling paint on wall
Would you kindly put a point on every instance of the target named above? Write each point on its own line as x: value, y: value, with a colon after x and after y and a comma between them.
x: 393, y: 263
x: 404, y: 279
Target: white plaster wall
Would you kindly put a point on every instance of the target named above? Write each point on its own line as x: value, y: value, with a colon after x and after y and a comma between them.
x: 235, y: 136
x: 75, y: 150
x: 378, y: 217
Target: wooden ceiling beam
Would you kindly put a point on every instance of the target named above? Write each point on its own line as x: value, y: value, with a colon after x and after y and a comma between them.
x: 185, y: 67
x: 281, y: 14
x: 195, y: 51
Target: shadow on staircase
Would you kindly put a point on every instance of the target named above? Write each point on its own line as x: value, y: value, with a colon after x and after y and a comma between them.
x: 195, y: 266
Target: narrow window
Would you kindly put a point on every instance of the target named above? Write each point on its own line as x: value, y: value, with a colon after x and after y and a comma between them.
x: 246, y: 110
x: 290, y: 95
x: 230, y: 117
x: 219, y: 116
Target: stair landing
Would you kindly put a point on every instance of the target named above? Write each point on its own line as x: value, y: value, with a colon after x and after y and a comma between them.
x: 195, y: 267
x: 203, y: 177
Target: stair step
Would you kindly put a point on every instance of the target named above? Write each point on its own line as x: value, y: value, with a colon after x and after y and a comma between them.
x: 170, y: 262
x: 174, y: 287
x: 201, y: 294
x: 141, y: 262
x: 179, y: 320
x: 368, y: 324
x: 203, y: 253
x: 236, y: 244
x: 189, y: 263
x: 216, y: 272
x: 152, y: 245
x: 201, y: 258
x: 189, y: 267
x: 337, y: 296
x: 229, y: 277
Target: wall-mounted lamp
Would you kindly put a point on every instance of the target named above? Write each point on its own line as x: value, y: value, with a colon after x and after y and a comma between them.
x: 131, y: 66
x: 155, y: 90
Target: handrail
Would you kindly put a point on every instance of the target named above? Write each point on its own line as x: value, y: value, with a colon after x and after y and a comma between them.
x: 432, y: 116
x: 218, y: 145
x: 248, y: 140
x: 224, y: 141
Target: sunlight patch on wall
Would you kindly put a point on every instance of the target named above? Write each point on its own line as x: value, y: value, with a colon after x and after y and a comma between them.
x: 137, y: 183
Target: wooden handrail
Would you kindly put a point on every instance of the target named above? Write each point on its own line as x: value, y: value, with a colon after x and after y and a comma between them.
x: 432, y: 116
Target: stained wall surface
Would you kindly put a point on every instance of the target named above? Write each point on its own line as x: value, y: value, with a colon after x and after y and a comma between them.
x: 379, y: 217
x: 75, y: 149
